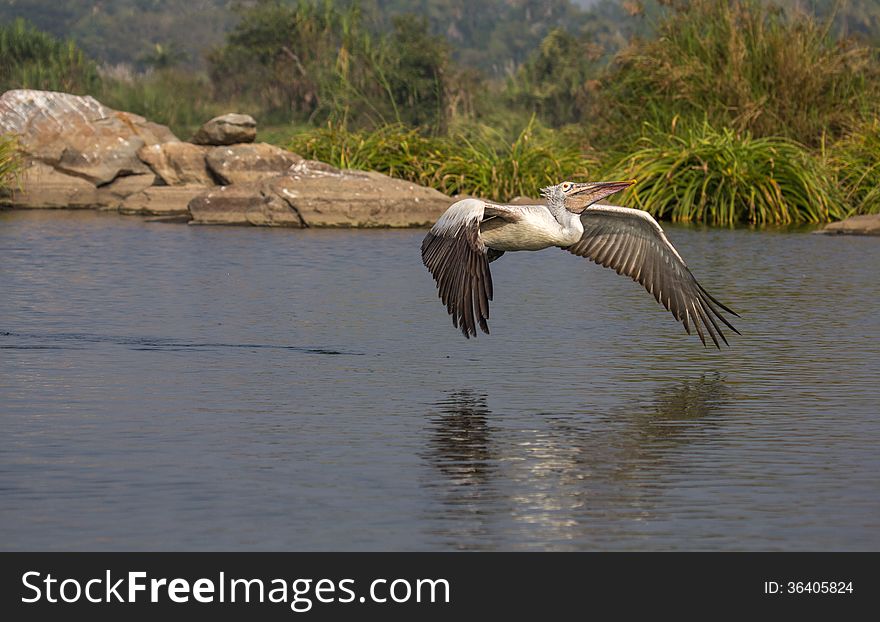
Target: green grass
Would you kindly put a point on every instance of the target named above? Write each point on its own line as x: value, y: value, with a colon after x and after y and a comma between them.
x: 700, y: 174
x: 742, y: 64
x: 471, y: 160
x: 10, y: 162
x: 856, y: 162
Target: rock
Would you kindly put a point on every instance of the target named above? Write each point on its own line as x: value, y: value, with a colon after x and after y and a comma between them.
x: 236, y: 164
x: 111, y: 196
x: 43, y: 186
x: 318, y: 195
x: 178, y: 163
x: 78, y: 135
x: 161, y: 200
x: 868, y: 224
x: 242, y: 204
x: 327, y: 197
x: 227, y: 129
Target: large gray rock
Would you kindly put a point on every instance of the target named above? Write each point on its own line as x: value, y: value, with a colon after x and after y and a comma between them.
x: 77, y: 135
x: 314, y: 194
x: 178, y: 163
x: 242, y: 204
x: 161, y: 200
x: 113, y: 195
x: 44, y: 187
x: 227, y: 129
x: 868, y: 224
x: 241, y: 164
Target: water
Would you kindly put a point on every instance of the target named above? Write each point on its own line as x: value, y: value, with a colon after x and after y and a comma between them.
x: 173, y: 387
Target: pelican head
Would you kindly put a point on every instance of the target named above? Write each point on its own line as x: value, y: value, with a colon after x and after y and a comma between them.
x: 576, y: 197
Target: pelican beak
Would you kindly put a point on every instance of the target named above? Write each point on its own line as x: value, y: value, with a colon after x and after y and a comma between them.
x: 584, y: 195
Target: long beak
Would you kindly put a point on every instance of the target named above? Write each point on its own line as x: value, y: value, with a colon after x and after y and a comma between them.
x: 588, y: 193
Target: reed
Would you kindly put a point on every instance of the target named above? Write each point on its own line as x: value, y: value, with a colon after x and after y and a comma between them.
x: 855, y: 160
x: 10, y: 163
x: 696, y: 173
x: 472, y: 160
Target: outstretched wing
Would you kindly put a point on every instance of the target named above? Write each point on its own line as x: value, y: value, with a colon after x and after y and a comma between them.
x: 632, y: 243
x: 457, y: 258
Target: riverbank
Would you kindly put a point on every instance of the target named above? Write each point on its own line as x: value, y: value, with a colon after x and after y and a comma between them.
x: 78, y: 153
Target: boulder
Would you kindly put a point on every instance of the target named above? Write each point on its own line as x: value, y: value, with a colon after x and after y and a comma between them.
x: 867, y: 224
x: 328, y: 197
x: 112, y: 196
x: 315, y: 194
x: 77, y: 135
x: 178, y: 163
x: 227, y: 129
x: 242, y: 204
x: 161, y: 200
x: 43, y: 186
x: 237, y: 164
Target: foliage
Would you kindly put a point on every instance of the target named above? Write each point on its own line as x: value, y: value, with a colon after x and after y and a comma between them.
x: 556, y: 81
x: 697, y: 173
x: 314, y: 61
x: 856, y: 162
x: 10, y: 162
x: 744, y: 65
x: 32, y: 59
x: 469, y: 160
x: 172, y: 97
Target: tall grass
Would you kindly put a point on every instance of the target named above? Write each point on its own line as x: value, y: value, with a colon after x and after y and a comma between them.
x: 10, y: 162
x: 856, y: 162
x: 32, y: 59
x: 743, y: 64
x: 172, y: 97
x: 468, y: 160
x: 699, y: 174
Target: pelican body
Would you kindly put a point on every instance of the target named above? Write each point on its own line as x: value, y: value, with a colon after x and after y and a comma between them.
x: 472, y: 233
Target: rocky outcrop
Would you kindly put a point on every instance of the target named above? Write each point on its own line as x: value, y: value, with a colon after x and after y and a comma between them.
x: 178, y: 163
x: 161, y: 200
x: 77, y: 135
x: 43, y: 186
x: 241, y: 164
x: 313, y: 194
x: 81, y: 154
x: 243, y: 204
x: 227, y: 129
x: 868, y: 224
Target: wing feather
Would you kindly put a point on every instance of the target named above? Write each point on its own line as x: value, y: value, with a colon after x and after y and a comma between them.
x: 631, y: 243
x: 457, y: 258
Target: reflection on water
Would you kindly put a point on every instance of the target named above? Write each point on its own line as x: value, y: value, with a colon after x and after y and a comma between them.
x: 171, y: 387
x: 565, y: 478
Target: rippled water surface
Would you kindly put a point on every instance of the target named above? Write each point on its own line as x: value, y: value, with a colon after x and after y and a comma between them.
x: 173, y: 387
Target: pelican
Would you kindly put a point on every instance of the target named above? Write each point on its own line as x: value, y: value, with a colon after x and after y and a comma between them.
x: 472, y: 233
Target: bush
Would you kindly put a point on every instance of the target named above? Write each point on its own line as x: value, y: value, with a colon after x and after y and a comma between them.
x: 741, y: 64
x: 10, y: 162
x: 469, y: 160
x: 171, y: 97
x: 701, y: 174
x: 856, y: 162
x: 36, y: 60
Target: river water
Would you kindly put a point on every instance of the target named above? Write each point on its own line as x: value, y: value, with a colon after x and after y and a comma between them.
x: 172, y: 387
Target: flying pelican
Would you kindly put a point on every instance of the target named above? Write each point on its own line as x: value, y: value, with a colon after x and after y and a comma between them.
x: 473, y: 233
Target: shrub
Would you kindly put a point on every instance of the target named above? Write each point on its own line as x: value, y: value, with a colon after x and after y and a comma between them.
x: 856, y: 162
x: 697, y: 173
x: 469, y: 160
x: 10, y: 162
x: 743, y: 64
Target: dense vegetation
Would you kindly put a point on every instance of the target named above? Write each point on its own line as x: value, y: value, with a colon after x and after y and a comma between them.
x: 725, y: 111
x: 10, y: 162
